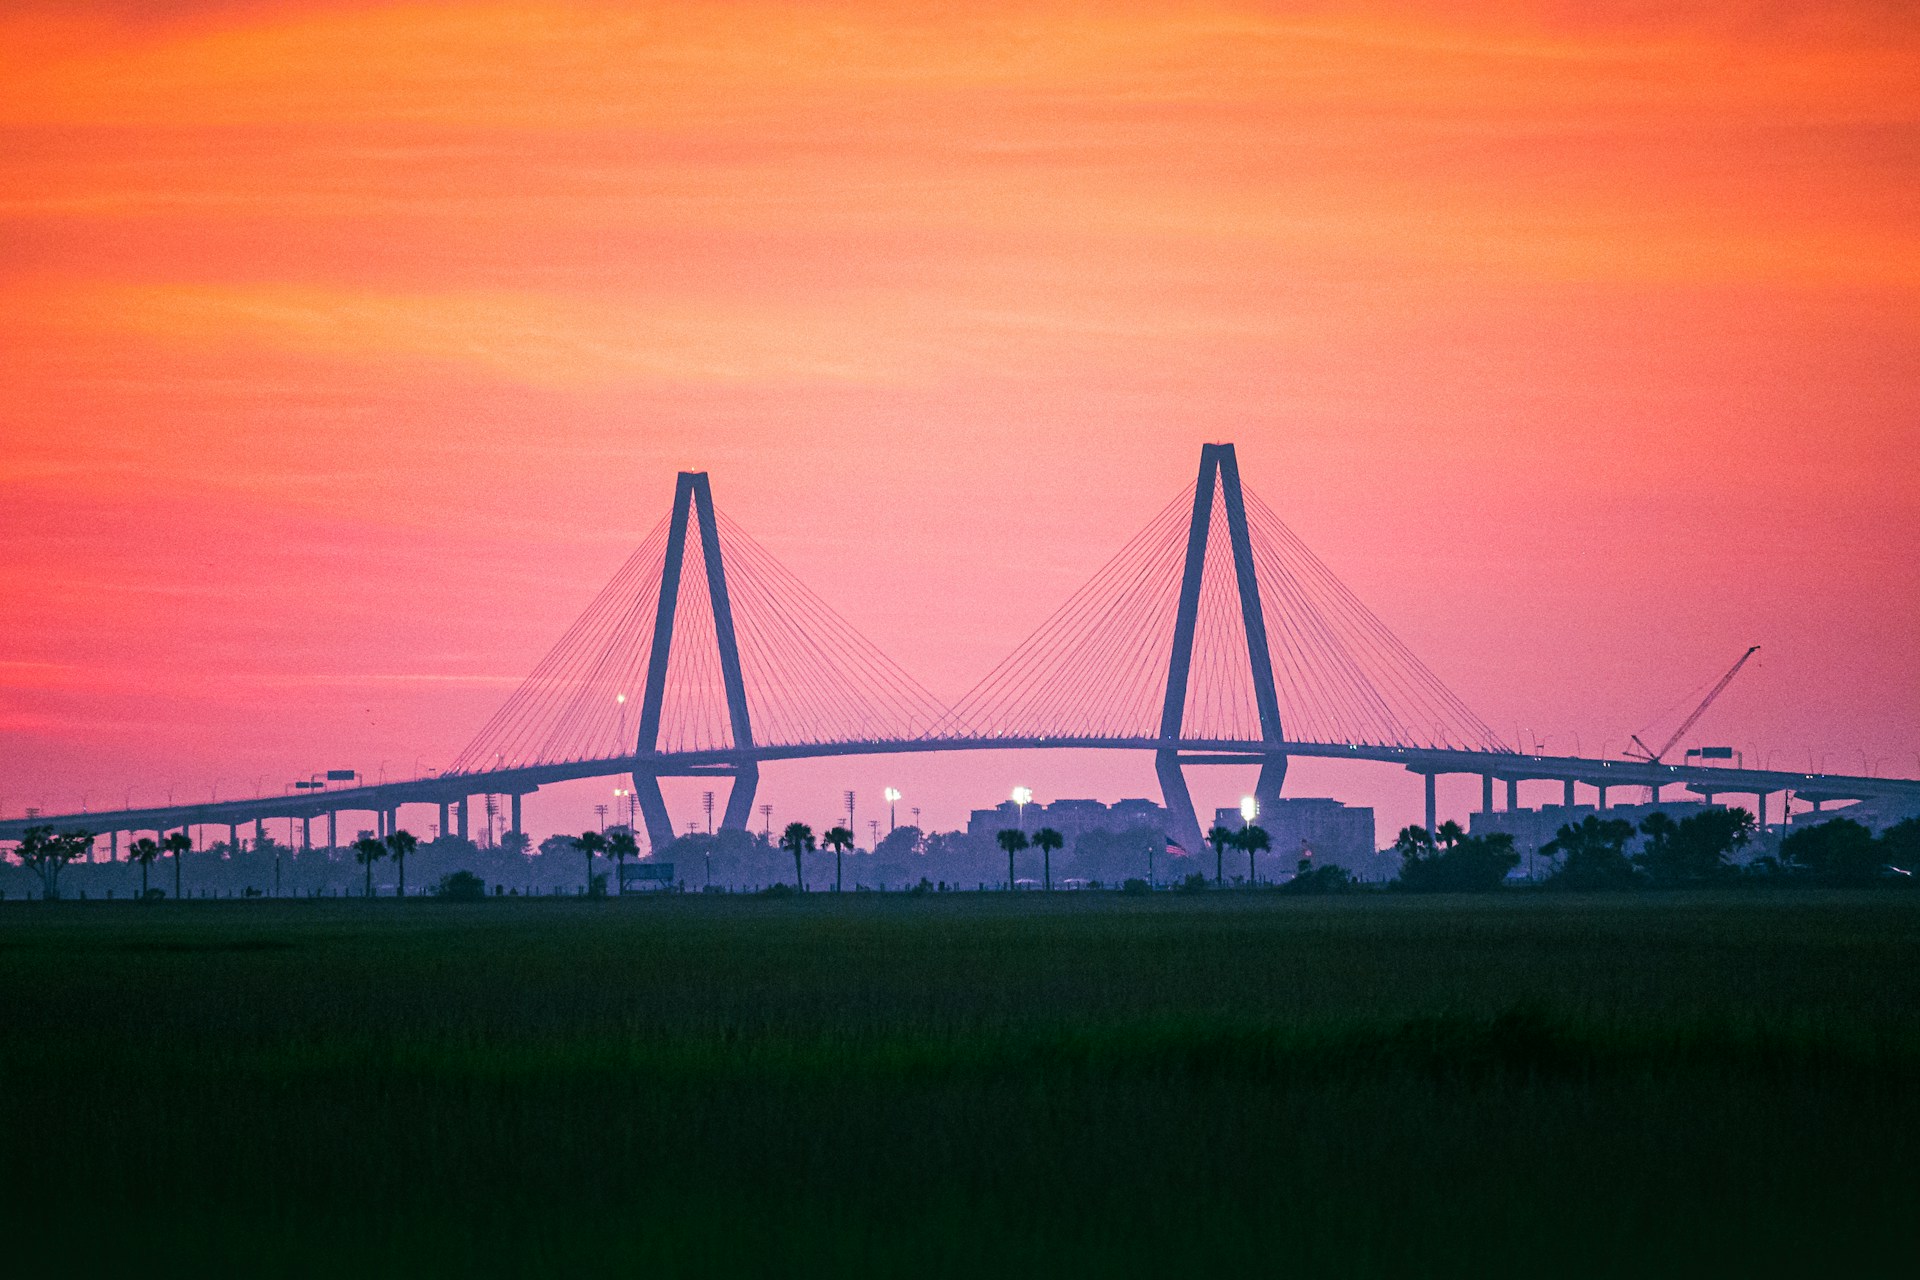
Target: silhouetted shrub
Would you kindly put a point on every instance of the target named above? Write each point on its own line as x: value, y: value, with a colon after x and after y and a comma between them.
x: 1592, y: 855
x: 1195, y: 883
x: 778, y: 891
x: 1327, y: 878
x: 1838, y: 852
x: 460, y: 886
x: 1455, y: 863
x: 1136, y: 886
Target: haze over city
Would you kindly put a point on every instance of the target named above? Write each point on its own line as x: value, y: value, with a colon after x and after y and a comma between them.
x: 350, y: 348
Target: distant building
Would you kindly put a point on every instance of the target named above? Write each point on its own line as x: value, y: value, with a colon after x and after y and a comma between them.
x: 1071, y: 818
x: 1877, y: 813
x: 1311, y: 826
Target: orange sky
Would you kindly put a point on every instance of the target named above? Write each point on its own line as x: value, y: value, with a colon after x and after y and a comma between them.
x: 347, y: 348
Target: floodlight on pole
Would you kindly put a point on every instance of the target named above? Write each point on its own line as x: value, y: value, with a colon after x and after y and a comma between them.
x: 1022, y: 797
x: 893, y: 798
x: 1249, y: 808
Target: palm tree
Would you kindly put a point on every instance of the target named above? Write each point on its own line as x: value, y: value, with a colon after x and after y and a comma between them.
x: 590, y: 843
x: 1219, y: 837
x: 620, y: 846
x: 143, y: 851
x: 1013, y: 840
x: 368, y: 850
x: 400, y: 844
x: 1450, y: 834
x: 1254, y: 840
x: 838, y: 839
x: 1046, y: 840
x: 176, y: 844
x: 796, y: 840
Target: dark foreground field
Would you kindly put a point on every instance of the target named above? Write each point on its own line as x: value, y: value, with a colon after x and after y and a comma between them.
x: 965, y: 1085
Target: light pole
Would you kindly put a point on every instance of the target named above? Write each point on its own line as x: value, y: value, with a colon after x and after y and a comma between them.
x: 849, y: 812
x: 600, y: 811
x: 1249, y: 810
x: 1022, y: 797
x: 766, y: 820
x: 893, y: 798
x: 706, y: 802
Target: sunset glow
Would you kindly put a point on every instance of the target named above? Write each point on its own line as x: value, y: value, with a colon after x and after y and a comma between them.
x: 348, y: 349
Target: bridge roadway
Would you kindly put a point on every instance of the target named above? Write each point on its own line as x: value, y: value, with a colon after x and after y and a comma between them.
x: 452, y: 790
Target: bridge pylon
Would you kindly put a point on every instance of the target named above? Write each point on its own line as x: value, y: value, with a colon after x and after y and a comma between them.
x: 693, y: 499
x: 1217, y: 466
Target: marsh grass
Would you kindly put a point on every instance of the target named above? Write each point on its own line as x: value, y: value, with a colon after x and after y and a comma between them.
x: 965, y: 1084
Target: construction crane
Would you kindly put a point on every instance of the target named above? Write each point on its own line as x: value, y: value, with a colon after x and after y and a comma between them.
x: 1652, y: 756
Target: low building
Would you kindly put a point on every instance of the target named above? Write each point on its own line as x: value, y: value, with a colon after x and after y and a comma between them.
x: 1071, y: 818
x: 1318, y: 828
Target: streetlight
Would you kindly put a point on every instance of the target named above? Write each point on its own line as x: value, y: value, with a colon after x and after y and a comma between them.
x: 1249, y: 809
x: 893, y: 798
x: 1022, y: 797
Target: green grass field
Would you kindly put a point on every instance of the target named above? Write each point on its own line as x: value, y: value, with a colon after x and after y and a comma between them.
x: 965, y: 1085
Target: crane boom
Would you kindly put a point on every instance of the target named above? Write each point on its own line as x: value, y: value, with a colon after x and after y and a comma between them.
x: 1688, y: 723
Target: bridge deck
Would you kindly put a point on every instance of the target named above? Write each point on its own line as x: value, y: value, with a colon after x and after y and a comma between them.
x: 454, y: 787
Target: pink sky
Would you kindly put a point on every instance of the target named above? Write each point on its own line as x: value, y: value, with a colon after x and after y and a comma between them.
x: 348, y: 348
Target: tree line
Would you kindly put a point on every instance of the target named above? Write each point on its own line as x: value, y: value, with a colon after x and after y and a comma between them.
x: 1595, y: 854
x: 1692, y: 852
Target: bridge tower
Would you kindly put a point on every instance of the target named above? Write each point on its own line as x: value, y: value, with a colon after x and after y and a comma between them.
x: 1217, y: 466
x: 693, y: 499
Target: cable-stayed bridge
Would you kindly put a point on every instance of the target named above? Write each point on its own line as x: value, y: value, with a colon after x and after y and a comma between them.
x: 1213, y: 636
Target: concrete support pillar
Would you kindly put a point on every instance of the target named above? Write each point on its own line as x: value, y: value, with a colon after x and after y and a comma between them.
x: 516, y: 813
x: 306, y: 832
x: 1760, y: 808
x: 446, y: 819
x: 1653, y: 793
x: 333, y: 828
x: 1432, y: 806
x: 1566, y: 793
x: 233, y: 838
x: 1513, y: 794
x: 460, y: 817
x: 113, y: 845
x: 259, y: 831
x: 1486, y: 793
